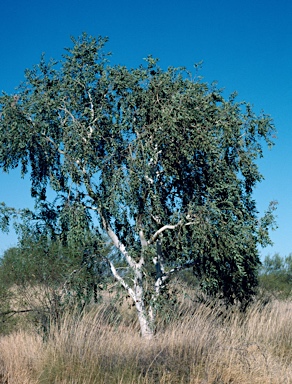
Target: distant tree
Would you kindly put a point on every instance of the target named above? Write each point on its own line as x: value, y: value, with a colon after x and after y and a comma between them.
x: 276, y: 275
x: 43, y: 277
x: 155, y: 159
x: 49, y: 263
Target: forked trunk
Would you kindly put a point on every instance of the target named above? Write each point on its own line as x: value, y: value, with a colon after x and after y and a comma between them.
x: 136, y: 292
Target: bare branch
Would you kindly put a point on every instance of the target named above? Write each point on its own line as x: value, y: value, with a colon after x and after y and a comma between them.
x: 156, y: 219
x: 121, y: 280
x: 54, y: 144
x: 165, y: 227
x: 142, y: 239
x: 117, y: 243
x: 161, y: 230
x: 15, y: 312
x: 141, y: 232
x: 186, y: 265
x: 91, y: 105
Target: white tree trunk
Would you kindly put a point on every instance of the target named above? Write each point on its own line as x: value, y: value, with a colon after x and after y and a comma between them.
x: 146, y: 313
x: 145, y: 321
x: 145, y: 317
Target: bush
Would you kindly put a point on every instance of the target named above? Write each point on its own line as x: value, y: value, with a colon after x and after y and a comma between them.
x: 276, y: 276
x: 44, y: 277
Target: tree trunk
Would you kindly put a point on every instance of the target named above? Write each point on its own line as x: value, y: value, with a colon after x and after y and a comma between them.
x: 146, y: 319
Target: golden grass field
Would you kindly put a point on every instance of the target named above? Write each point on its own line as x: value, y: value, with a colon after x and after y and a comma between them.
x: 201, y: 345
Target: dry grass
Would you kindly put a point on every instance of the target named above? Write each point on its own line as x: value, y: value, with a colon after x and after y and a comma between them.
x: 204, y: 346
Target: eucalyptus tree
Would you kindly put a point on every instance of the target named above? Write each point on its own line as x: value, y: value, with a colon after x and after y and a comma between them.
x: 157, y: 160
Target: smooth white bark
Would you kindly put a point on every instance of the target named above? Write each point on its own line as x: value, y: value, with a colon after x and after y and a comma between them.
x: 146, y: 312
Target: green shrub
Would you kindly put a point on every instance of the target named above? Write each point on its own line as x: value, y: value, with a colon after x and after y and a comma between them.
x: 276, y: 276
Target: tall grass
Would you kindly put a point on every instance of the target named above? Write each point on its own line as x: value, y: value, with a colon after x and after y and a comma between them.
x: 202, y: 345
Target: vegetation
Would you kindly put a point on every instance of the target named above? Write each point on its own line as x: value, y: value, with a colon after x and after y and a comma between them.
x: 155, y: 160
x: 44, y: 278
x: 201, y: 344
x: 143, y: 181
x: 198, y: 340
x: 276, y: 276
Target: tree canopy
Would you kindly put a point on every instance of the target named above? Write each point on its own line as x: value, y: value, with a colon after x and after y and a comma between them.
x: 157, y: 160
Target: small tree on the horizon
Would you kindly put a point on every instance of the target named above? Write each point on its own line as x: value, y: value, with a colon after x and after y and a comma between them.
x: 276, y: 275
x: 44, y: 277
x: 155, y: 159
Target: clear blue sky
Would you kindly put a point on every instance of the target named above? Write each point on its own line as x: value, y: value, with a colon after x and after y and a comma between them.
x: 245, y: 45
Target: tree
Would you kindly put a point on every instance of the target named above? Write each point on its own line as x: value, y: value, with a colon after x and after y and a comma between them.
x: 44, y: 277
x: 276, y: 275
x: 155, y: 159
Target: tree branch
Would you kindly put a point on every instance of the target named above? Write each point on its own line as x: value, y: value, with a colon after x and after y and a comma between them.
x: 165, y: 227
x: 161, y: 230
x: 121, y: 280
x: 186, y: 265
x: 117, y: 243
x: 14, y: 312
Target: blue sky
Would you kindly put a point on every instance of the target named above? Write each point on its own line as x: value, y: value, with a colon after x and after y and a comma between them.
x: 245, y: 46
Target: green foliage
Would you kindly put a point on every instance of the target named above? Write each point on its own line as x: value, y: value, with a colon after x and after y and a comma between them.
x: 47, y: 262
x: 42, y: 278
x: 137, y: 151
x: 276, y: 275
